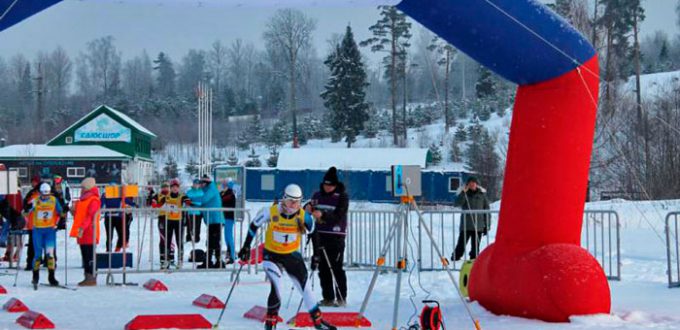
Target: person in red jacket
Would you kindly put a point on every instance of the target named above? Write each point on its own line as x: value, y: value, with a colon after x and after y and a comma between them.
x: 86, y: 227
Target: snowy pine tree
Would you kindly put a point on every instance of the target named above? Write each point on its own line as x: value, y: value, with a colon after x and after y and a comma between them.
x: 253, y: 159
x: 461, y: 133
x: 455, y: 154
x: 475, y: 129
x: 435, y: 154
x: 345, y: 94
x: 165, y: 80
x: 243, y: 140
x: 273, y: 157
x: 170, y: 169
x: 486, y: 84
x: 277, y: 135
x: 255, y: 132
x: 191, y: 168
x: 233, y: 159
x: 483, y: 160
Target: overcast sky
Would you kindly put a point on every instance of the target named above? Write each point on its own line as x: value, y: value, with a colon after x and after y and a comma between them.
x: 176, y: 29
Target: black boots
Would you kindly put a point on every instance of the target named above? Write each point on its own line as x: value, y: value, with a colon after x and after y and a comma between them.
x: 50, y: 278
x: 36, y: 278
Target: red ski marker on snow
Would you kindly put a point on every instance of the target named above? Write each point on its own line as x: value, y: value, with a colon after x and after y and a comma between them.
x: 155, y: 285
x: 208, y: 301
x: 15, y: 305
x: 35, y: 320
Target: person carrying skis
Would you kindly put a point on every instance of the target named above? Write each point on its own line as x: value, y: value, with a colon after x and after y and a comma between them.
x: 287, y: 221
x: 46, y: 212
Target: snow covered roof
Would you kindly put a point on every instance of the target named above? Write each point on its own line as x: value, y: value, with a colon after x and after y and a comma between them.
x: 132, y: 122
x: 45, y: 151
x: 350, y: 159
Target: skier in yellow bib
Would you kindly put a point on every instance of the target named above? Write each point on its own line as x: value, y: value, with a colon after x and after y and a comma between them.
x: 286, y: 223
x: 46, y: 212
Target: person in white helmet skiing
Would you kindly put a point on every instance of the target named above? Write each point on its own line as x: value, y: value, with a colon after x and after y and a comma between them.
x: 46, y: 212
x: 287, y: 223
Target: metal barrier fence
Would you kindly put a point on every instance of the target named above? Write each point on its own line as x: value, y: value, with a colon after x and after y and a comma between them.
x: 150, y: 234
x: 446, y: 229
x: 366, y: 235
x: 601, y: 237
x: 673, y: 249
x: 368, y: 229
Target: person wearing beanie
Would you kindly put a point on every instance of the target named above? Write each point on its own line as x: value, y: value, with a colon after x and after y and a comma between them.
x: 86, y: 227
x: 214, y: 220
x: 193, y: 231
x: 471, y: 197
x: 228, y: 198
x: 329, y: 208
x: 27, y: 204
x: 173, y: 203
x: 157, y: 201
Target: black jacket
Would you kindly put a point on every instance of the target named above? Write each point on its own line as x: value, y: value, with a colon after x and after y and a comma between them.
x: 334, y: 207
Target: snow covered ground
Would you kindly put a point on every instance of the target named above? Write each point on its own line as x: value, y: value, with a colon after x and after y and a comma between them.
x: 640, y: 301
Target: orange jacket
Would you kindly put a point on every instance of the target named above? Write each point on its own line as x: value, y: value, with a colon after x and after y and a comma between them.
x: 86, y: 217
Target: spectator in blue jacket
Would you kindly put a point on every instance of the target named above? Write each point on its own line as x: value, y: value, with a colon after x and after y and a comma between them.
x: 193, y: 223
x: 214, y: 220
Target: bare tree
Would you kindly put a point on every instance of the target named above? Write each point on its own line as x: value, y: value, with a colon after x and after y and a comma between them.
x: 104, y: 65
x: 288, y: 33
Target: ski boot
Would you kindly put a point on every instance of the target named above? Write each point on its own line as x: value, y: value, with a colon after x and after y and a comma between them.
x: 50, y: 269
x: 228, y: 261
x: 270, y: 320
x: 164, y: 265
x: 318, y: 321
x: 36, y: 275
x: 171, y: 265
x: 327, y: 303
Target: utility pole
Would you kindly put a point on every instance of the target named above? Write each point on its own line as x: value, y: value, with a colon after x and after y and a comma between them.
x: 39, y: 134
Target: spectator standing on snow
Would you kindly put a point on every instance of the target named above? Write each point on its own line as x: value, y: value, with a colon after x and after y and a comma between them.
x: 113, y: 221
x: 12, y: 207
x: 86, y: 227
x: 476, y: 225
x: 229, y: 201
x: 155, y: 201
x: 173, y: 203
x: 193, y: 223
x: 329, y: 208
x: 28, y: 201
x: 214, y: 220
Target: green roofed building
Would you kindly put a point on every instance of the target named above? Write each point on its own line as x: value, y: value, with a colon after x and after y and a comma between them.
x: 105, y: 144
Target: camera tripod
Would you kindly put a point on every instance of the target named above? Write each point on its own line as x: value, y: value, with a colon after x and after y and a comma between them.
x: 400, y: 229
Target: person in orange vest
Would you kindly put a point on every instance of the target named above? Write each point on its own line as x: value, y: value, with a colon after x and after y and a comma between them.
x: 172, y: 203
x: 156, y: 202
x: 45, y: 213
x: 28, y: 200
x: 86, y: 227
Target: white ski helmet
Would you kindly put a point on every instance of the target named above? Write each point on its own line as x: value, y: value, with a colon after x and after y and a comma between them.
x: 45, y: 189
x: 292, y: 192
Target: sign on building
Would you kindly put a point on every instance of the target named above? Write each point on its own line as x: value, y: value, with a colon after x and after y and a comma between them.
x: 103, y: 129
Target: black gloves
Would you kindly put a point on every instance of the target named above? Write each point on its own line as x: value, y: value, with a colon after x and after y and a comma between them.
x: 244, y: 253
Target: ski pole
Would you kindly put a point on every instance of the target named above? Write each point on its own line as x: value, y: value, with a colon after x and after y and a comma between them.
x: 226, y: 302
